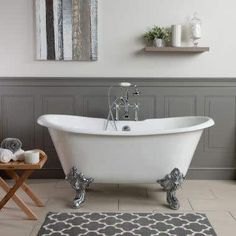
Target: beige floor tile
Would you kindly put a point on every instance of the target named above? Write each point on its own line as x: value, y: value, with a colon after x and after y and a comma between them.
x: 213, y: 205
x: 154, y: 201
x: 147, y: 205
x: 102, y: 200
x: 16, y: 227
x: 233, y: 214
x: 128, y: 191
x: 222, y: 222
x: 192, y: 184
x: 12, y: 212
x: 156, y: 193
x: 196, y: 185
x: 109, y: 192
x: 196, y: 194
x: 10, y: 183
x: 103, y: 188
x: 98, y: 188
x: 141, y: 205
x: 210, y: 183
x: 222, y: 184
x: 62, y: 184
x: 183, y: 193
x: 41, y: 181
x: 100, y: 205
x: 25, y: 197
x: 224, y: 194
x: 96, y: 204
x: 43, y: 188
x: 36, y: 229
x: 134, y: 198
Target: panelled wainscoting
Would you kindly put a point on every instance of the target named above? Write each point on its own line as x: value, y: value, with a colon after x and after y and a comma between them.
x: 23, y: 100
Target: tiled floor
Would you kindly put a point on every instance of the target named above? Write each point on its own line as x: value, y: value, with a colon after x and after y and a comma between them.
x: 215, y: 198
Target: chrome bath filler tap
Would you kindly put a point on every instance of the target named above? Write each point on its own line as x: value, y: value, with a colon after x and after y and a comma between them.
x: 122, y: 103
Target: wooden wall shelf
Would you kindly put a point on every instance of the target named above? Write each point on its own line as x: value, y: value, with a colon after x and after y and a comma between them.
x: 178, y: 49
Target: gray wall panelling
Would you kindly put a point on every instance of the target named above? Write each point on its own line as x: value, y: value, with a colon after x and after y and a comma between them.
x: 24, y: 99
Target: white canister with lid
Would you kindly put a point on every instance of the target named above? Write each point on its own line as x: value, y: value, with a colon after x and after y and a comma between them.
x: 31, y: 156
x: 176, y: 32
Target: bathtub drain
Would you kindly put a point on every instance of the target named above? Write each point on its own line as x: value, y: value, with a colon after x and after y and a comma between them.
x: 126, y: 128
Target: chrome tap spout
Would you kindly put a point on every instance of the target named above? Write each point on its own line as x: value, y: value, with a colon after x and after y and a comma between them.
x: 123, y: 103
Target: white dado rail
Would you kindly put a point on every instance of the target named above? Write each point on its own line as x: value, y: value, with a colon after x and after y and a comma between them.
x: 23, y: 100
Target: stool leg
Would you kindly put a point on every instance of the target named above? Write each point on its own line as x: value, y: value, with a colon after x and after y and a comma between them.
x: 26, y: 188
x: 18, y: 201
x: 17, y: 185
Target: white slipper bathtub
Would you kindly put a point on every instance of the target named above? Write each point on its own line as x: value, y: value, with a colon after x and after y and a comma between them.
x: 153, y: 149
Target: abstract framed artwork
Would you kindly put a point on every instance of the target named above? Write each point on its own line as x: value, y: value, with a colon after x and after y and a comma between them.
x: 66, y: 30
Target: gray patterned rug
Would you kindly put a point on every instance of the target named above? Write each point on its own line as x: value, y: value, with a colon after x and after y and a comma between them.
x: 126, y: 224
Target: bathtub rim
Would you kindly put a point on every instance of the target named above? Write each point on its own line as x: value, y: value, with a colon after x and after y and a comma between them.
x: 49, y: 124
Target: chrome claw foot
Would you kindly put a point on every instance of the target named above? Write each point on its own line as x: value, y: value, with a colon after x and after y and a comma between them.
x: 170, y: 184
x: 173, y: 200
x: 79, y: 183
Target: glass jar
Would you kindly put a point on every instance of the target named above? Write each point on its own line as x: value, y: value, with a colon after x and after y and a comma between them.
x: 196, y: 27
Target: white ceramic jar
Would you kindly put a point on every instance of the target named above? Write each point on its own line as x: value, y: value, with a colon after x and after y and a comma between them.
x: 176, y: 32
x: 31, y: 156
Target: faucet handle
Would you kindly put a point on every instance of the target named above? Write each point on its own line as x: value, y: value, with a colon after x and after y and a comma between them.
x: 136, y: 106
x: 122, y: 99
x: 116, y: 106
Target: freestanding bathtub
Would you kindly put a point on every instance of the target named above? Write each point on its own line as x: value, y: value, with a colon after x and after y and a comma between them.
x: 154, y: 150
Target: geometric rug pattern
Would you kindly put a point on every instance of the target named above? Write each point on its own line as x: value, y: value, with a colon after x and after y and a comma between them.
x: 126, y: 224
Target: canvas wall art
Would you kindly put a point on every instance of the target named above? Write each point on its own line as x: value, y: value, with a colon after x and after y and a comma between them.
x: 66, y: 30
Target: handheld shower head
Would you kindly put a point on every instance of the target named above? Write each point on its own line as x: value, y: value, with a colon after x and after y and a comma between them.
x: 125, y: 84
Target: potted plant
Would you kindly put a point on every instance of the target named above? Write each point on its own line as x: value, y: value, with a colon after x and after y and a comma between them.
x: 158, y: 36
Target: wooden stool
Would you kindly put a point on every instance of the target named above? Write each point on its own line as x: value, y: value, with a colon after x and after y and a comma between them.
x: 10, y: 169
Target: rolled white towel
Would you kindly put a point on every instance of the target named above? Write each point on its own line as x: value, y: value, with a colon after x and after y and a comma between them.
x: 5, y: 155
x: 19, y: 155
x: 13, y: 144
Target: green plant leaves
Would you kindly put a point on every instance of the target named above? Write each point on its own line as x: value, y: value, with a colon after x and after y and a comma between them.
x: 158, y: 32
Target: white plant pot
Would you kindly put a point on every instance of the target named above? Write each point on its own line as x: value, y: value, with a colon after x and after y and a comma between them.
x: 159, y: 43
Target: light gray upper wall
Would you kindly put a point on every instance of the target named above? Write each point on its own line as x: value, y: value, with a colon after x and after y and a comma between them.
x: 120, y: 26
